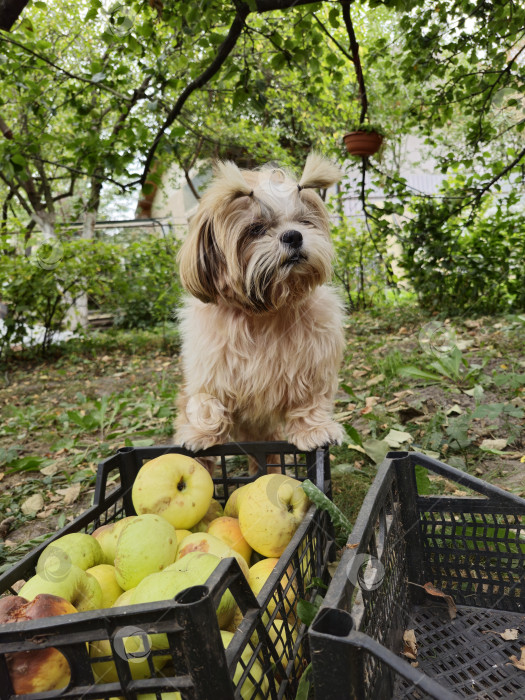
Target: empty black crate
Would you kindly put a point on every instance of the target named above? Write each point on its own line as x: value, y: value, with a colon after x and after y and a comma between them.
x: 470, y: 547
x: 198, y: 667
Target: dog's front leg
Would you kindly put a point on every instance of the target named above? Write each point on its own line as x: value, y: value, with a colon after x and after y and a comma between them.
x: 202, y: 421
x: 311, y: 426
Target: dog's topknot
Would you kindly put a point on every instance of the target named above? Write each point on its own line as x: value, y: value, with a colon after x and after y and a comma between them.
x: 232, y: 177
x: 319, y: 172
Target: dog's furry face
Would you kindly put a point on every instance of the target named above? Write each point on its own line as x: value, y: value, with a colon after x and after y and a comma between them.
x: 259, y: 239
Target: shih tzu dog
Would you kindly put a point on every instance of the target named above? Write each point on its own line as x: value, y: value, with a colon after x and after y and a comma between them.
x: 262, y: 337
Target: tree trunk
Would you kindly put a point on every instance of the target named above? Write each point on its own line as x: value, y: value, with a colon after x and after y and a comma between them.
x: 10, y: 11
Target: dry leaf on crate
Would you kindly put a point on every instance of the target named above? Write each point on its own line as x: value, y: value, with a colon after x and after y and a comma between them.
x: 519, y: 663
x: 410, y: 645
x: 432, y: 590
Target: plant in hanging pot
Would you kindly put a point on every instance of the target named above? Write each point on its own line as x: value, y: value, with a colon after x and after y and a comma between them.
x: 364, y: 140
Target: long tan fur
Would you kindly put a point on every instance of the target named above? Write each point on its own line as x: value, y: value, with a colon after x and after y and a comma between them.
x: 262, y: 332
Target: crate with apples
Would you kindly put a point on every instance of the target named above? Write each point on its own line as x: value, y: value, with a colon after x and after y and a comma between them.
x: 174, y: 585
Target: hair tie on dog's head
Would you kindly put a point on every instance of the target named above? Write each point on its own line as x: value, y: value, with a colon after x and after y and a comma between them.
x: 251, y: 194
x: 299, y: 188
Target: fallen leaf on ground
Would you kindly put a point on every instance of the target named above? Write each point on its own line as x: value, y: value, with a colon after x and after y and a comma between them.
x: 70, y: 494
x: 396, y: 438
x: 432, y: 590
x: 498, y: 444
x: 352, y: 546
x: 410, y: 644
x: 32, y: 504
x: 519, y: 663
x: 50, y: 470
x: 358, y: 373
x: 375, y: 380
x: 455, y: 409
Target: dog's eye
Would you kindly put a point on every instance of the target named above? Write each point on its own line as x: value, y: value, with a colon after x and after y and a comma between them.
x: 306, y: 222
x: 256, y: 229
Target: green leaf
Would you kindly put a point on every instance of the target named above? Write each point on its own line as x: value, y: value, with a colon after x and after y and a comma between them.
x: 306, y: 611
x: 422, y: 481
x: 354, y: 435
x: 416, y: 373
x: 303, y: 689
x: 376, y: 449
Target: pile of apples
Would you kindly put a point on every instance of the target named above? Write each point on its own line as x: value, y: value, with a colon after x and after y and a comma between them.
x: 175, y: 541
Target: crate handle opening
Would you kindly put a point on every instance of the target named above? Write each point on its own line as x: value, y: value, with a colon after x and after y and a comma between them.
x: 337, y: 623
x: 192, y: 595
x: 125, y: 450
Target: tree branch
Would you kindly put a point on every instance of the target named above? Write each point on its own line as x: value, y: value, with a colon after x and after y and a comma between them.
x: 101, y: 86
x: 354, y: 48
x: 332, y: 38
x: 223, y: 52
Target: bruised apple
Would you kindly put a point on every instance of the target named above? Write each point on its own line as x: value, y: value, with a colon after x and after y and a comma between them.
x: 42, y: 669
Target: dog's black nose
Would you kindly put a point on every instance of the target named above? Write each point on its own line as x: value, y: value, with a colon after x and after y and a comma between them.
x: 293, y: 238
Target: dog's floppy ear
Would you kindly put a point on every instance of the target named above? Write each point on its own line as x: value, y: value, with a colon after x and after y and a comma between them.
x: 319, y: 172
x: 201, y: 262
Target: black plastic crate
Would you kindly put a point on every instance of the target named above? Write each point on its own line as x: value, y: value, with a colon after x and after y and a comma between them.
x: 471, y: 548
x: 199, y: 668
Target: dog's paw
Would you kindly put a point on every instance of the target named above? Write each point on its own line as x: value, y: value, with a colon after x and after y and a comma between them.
x: 311, y: 438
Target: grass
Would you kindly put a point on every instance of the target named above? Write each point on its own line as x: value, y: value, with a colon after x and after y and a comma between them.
x: 62, y: 414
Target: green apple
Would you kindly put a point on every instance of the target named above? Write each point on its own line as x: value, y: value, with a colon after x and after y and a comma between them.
x: 214, y: 511
x: 204, y: 542
x: 174, y: 486
x: 76, y: 586
x: 124, y: 599
x: 200, y: 566
x: 248, y: 689
x: 231, y: 509
x: 270, y: 512
x: 107, y: 536
x: 146, y: 545
x: 193, y: 570
x: 106, y: 576
x: 77, y: 549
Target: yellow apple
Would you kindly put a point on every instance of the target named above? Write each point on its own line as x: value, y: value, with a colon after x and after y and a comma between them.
x: 231, y: 509
x: 136, y: 655
x: 271, y: 511
x: 283, y: 640
x: 42, y: 669
x: 214, y: 511
x: 249, y: 691
x: 146, y: 545
x: 204, y: 542
x: 174, y: 486
x: 107, y: 536
x: 228, y: 530
x: 257, y: 577
x: 106, y: 576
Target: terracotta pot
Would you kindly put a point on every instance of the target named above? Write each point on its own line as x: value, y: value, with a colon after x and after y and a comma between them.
x: 362, y: 143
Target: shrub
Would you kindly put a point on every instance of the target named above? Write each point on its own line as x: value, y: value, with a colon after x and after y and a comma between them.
x: 458, y: 264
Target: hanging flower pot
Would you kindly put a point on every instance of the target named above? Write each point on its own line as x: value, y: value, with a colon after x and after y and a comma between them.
x: 363, y: 143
